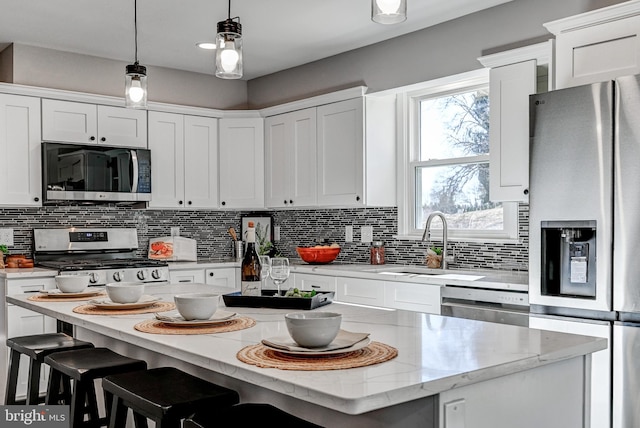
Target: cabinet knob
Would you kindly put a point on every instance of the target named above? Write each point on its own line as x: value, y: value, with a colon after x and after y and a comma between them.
x: 224, y: 203
x: 357, y: 198
x: 92, y: 138
x: 36, y: 199
x: 211, y: 274
x: 189, y: 203
x: 526, y: 191
x: 103, y: 139
x: 179, y: 202
x: 285, y: 202
x: 291, y: 201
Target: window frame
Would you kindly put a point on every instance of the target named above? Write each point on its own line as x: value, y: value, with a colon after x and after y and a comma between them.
x: 408, y: 111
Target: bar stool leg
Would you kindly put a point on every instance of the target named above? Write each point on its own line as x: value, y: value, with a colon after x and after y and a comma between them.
x: 78, y: 400
x: 118, y: 417
x: 92, y: 405
x: 33, y: 387
x: 12, y: 381
x: 141, y: 421
x: 53, y: 388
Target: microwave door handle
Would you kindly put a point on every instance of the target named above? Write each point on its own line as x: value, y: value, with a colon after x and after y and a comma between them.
x: 134, y: 181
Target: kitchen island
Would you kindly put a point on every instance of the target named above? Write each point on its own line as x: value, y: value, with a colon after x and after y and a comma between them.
x: 449, y: 372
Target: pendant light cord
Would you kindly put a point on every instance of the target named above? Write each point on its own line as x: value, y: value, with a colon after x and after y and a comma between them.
x: 229, y: 11
x: 135, y: 26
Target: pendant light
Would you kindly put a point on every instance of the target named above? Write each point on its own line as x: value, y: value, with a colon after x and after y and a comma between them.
x: 388, y: 11
x: 135, y: 87
x: 229, y: 48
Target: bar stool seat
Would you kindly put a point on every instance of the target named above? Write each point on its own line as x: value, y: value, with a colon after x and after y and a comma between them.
x: 165, y: 395
x: 84, y: 366
x: 247, y: 414
x: 36, y: 347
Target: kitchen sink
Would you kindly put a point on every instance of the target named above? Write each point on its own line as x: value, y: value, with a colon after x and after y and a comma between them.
x: 417, y: 271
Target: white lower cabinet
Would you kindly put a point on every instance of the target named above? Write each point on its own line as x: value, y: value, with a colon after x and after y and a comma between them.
x: 23, y: 322
x: 600, y: 361
x: 360, y: 291
x: 225, y: 277
x: 413, y: 297
x: 187, y: 275
x: 307, y: 282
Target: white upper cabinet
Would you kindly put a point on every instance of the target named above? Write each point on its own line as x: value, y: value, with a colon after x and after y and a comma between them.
x: 341, y: 153
x: 242, y: 163
x: 599, y: 45
x: 20, y: 176
x: 290, y: 159
x: 514, y: 75
x: 85, y: 123
x: 356, y: 152
x: 184, y: 159
x: 509, y: 90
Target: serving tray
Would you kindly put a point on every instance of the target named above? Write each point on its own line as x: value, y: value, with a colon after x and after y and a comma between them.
x: 269, y: 299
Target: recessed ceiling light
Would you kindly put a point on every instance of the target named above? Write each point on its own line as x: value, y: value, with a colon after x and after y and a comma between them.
x: 206, y: 45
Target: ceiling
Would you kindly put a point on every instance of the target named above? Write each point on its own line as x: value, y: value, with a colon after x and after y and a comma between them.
x: 277, y: 34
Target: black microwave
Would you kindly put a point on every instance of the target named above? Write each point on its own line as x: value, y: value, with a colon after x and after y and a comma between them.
x: 95, y: 173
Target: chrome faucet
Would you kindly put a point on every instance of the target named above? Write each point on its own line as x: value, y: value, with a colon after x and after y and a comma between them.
x: 427, y: 234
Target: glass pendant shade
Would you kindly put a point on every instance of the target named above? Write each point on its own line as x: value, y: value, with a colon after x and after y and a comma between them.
x: 388, y: 11
x: 229, y: 50
x: 136, y: 86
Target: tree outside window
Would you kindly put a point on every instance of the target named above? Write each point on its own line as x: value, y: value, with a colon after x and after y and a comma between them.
x: 451, y: 169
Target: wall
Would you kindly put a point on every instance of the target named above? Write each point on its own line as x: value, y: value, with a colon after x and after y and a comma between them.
x: 298, y: 228
x: 35, y: 66
x: 446, y: 49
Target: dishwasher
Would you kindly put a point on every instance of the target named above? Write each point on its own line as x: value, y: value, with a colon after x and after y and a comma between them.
x: 486, y: 304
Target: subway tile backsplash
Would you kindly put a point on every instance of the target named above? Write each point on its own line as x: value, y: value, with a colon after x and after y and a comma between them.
x: 297, y: 227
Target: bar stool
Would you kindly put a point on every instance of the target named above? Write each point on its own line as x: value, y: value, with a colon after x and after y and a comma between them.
x: 84, y: 366
x: 247, y: 414
x: 165, y: 395
x: 36, y: 347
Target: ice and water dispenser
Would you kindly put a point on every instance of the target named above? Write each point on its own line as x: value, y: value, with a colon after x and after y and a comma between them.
x: 569, y: 258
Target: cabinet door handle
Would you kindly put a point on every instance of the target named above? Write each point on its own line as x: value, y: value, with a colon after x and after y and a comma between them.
x: 291, y: 201
x: 36, y: 199
x: 357, y: 198
x: 224, y: 203
x: 189, y: 203
x: 285, y: 202
x: 103, y: 139
x: 211, y: 274
x: 526, y: 191
x: 92, y: 138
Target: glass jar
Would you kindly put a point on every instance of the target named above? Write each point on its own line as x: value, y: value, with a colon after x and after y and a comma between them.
x: 377, y: 253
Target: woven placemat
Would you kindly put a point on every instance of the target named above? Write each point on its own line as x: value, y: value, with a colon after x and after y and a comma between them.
x: 96, y: 310
x: 158, y: 327
x: 262, y: 356
x: 45, y: 298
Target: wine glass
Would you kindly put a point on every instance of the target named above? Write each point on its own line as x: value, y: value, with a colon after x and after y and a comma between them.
x: 279, y: 271
x: 265, y: 269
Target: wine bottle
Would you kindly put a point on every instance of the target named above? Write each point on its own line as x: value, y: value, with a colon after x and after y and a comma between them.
x: 251, y: 280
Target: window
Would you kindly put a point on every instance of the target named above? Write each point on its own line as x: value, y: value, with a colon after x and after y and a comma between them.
x: 446, y: 165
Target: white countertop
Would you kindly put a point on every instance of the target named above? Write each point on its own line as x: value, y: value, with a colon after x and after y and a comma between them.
x: 435, y: 353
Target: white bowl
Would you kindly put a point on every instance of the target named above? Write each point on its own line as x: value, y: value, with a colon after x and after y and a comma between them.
x: 72, y: 283
x: 196, y: 306
x: 125, y: 292
x: 313, y: 329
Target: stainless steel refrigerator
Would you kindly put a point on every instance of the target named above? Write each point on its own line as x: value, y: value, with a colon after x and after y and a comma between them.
x: 584, y: 267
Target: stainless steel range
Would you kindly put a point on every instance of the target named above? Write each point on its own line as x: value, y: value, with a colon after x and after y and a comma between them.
x: 106, y: 254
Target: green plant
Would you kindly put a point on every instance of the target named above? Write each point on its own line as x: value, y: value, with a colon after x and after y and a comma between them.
x: 438, y: 251
x: 4, y: 249
x: 262, y: 235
